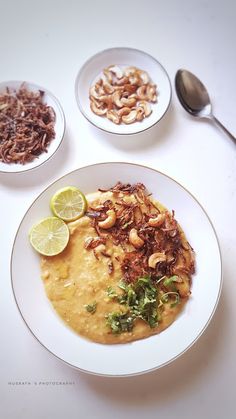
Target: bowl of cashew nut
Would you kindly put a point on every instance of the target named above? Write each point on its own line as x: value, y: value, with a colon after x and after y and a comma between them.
x: 123, y: 91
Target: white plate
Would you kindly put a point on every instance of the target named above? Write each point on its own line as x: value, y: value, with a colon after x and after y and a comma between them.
x: 50, y: 100
x: 124, y: 57
x: 143, y: 355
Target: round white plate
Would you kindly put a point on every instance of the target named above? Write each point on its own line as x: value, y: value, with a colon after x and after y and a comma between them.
x: 124, y: 57
x: 50, y: 100
x: 143, y: 355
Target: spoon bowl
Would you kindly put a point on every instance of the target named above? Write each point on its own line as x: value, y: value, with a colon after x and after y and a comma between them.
x: 194, y: 97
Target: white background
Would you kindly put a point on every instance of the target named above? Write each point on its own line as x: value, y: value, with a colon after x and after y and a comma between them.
x: 46, y: 42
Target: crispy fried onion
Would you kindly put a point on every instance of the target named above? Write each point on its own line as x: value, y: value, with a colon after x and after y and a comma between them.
x: 165, y: 238
x: 26, y: 125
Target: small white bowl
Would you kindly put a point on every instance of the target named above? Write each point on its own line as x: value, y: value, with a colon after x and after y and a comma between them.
x: 50, y: 100
x: 91, y: 71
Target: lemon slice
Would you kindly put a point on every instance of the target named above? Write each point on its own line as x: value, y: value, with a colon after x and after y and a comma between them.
x: 68, y: 203
x: 50, y: 236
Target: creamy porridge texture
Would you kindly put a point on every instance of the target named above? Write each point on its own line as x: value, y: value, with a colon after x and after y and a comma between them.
x: 126, y: 272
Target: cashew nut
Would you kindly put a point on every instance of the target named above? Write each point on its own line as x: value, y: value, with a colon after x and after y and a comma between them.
x: 123, y: 111
x: 105, y: 99
x: 144, y: 76
x: 154, y: 98
x: 108, y: 75
x: 156, y: 258
x: 108, y: 88
x: 116, y: 87
x: 116, y: 98
x: 135, y: 80
x: 157, y: 221
x: 129, y: 88
x: 122, y: 81
x: 142, y: 92
x: 151, y: 93
x: 96, y: 91
x: 97, y: 110
x: 130, y: 101
x: 113, y: 116
x: 146, y: 107
x: 131, y: 117
x: 109, y: 221
x: 134, y: 239
x: 140, y: 113
x: 116, y: 70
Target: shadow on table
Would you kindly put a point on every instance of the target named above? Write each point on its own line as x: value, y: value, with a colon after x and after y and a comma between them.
x: 47, y: 171
x: 170, y: 382
x: 158, y: 134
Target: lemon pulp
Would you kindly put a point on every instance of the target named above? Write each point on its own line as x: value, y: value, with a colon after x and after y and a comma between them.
x: 68, y: 203
x: 50, y: 236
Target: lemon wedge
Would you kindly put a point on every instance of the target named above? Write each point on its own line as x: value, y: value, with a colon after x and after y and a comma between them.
x: 68, y: 203
x: 50, y: 236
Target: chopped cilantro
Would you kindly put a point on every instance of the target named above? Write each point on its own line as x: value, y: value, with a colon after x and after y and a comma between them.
x: 165, y: 298
x: 141, y: 299
x: 120, y: 322
x: 169, y: 283
x: 91, y: 308
x: 111, y: 292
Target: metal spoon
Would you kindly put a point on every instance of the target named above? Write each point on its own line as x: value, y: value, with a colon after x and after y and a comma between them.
x: 194, y: 97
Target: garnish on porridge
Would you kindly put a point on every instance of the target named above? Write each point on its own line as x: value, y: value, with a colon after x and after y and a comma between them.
x: 126, y: 271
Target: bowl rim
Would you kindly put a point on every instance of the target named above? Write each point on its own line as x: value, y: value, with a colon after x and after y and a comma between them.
x: 200, y: 332
x: 59, y: 110
x: 126, y: 49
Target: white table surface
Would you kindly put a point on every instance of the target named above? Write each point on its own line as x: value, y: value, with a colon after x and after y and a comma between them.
x: 46, y: 42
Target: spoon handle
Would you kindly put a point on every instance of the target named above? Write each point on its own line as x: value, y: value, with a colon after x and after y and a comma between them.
x: 223, y: 128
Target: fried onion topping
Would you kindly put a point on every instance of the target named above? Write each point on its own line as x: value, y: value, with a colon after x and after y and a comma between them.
x: 134, y: 207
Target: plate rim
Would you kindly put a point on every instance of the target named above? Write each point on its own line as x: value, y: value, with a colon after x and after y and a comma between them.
x: 60, y: 110
x: 146, y: 371
x: 127, y: 49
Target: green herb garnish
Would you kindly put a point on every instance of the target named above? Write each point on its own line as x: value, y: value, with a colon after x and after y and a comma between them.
x: 165, y: 298
x: 111, y: 293
x: 141, y: 299
x: 91, y: 308
x: 120, y: 322
x: 170, y: 282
